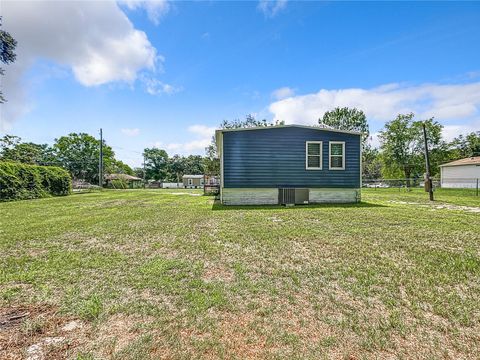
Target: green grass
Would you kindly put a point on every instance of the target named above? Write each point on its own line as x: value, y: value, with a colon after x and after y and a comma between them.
x: 152, y: 273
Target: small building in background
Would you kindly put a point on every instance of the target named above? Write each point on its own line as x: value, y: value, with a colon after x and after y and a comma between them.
x: 123, y: 181
x: 463, y: 173
x: 193, y: 181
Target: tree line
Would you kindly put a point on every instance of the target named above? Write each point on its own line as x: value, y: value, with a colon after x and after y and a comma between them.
x: 79, y: 154
x: 400, y: 155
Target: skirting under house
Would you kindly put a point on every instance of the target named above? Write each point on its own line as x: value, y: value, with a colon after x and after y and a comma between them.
x: 273, y: 196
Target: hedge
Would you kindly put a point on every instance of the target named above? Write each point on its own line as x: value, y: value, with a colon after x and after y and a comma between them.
x: 20, y: 181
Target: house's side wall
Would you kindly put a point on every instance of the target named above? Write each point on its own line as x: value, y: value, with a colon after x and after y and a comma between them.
x: 269, y: 196
x: 273, y: 158
x: 463, y: 176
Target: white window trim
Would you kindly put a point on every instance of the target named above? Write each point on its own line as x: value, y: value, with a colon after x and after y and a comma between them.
x: 306, y: 155
x: 190, y: 181
x: 330, y: 155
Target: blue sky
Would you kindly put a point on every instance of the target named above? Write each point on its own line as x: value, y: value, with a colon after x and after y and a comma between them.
x: 167, y: 73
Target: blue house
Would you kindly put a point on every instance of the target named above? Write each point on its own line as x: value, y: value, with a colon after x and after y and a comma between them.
x: 289, y: 164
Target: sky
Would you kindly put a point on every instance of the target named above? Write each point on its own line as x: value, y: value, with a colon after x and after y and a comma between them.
x: 166, y: 74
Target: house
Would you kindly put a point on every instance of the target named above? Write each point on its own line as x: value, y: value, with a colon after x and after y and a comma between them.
x: 463, y: 173
x: 289, y: 164
x: 122, y: 181
x: 193, y: 181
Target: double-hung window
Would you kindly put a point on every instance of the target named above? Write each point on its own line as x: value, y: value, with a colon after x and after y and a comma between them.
x: 336, y: 159
x: 313, y: 159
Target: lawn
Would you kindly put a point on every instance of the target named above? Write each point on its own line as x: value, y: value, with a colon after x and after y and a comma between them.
x: 156, y: 274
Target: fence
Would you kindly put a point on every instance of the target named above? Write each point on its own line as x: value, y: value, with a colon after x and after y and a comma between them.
x: 472, y: 184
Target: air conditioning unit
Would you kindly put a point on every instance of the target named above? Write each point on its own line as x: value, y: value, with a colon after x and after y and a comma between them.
x: 293, y: 196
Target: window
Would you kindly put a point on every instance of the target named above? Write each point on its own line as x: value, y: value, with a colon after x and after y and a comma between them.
x: 190, y: 182
x: 337, y: 155
x: 313, y: 159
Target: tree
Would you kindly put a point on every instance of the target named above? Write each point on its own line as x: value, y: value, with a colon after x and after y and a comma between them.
x: 176, y: 168
x: 155, y: 163
x: 8, y: 142
x: 30, y: 153
x: 212, y: 162
x: 466, y: 146
x: 119, y: 167
x: 371, y: 163
x: 138, y: 172
x: 13, y: 149
x: 79, y: 154
x: 347, y: 119
x: 7, y: 52
x: 194, y: 165
x: 403, y: 145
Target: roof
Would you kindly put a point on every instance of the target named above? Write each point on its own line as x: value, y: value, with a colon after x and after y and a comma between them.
x: 292, y: 126
x: 121, y: 177
x: 475, y: 160
x: 193, y: 176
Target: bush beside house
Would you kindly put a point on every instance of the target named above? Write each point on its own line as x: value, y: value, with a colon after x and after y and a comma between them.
x: 20, y: 181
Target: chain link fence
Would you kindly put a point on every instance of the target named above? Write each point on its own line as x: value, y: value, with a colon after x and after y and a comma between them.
x: 471, y: 185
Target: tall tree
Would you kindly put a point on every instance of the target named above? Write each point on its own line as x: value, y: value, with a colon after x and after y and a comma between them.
x: 30, y: 153
x: 194, y: 165
x: 176, y: 168
x: 403, y: 145
x: 118, y: 167
x: 466, y: 145
x: 79, y: 154
x: 8, y: 142
x: 345, y: 118
x: 7, y: 52
x: 156, y: 161
x: 371, y: 163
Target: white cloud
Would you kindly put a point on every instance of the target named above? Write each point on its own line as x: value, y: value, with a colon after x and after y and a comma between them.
x: 156, y: 87
x: 202, y: 130
x: 270, y: 8
x: 156, y: 9
x: 130, y: 132
x: 283, y: 92
x: 444, y: 102
x: 452, y: 131
x: 94, y: 39
x: 203, y: 136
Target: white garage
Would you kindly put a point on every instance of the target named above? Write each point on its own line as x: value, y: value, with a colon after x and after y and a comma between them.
x: 463, y: 173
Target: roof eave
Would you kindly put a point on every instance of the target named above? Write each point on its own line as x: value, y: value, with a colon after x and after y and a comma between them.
x: 291, y: 126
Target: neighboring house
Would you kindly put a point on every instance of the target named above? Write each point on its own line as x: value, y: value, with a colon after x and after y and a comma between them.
x: 123, y: 181
x: 289, y: 164
x: 193, y: 181
x: 463, y: 173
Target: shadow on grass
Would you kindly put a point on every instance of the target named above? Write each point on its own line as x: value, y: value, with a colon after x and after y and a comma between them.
x: 218, y: 206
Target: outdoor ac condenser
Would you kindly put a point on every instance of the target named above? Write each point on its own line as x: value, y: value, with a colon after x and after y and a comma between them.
x: 293, y: 196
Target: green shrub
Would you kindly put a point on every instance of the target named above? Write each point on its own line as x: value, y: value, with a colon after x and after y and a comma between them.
x: 21, y: 181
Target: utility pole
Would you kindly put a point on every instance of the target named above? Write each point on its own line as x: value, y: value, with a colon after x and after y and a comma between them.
x: 428, y: 179
x: 144, y: 175
x: 100, y: 161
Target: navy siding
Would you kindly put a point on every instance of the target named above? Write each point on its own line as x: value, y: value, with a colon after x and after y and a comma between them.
x: 276, y: 158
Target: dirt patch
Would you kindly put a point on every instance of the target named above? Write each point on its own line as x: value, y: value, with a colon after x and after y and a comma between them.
x: 37, y: 333
x: 118, y: 332
x: 217, y: 272
x: 441, y: 206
